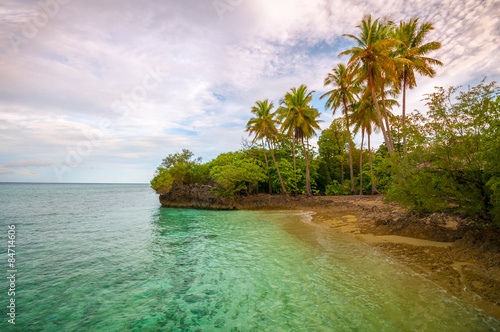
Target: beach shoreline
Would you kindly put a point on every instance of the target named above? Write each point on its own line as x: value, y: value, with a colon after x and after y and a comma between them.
x: 449, y: 250
x: 440, y: 248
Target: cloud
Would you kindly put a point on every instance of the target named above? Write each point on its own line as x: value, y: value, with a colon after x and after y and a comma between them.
x: 28, y: 172
x: 27, y: 163
x: 5, y: 170
x: 87, y: 64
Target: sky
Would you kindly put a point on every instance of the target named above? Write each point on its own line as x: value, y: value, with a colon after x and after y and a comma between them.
x: 103, y: 90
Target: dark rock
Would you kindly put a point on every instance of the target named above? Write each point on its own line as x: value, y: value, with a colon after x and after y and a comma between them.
x: 205, y: 197
x: 196, y: 198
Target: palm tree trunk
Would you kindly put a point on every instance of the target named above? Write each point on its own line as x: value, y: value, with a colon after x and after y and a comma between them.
x: 386, y: 118
x: 341, y: 163
x: 277, y: 169
x: 267, y: 167
x: 404, y: 111
x: 308, y: 179
x: 342, y: 173
x: 353, y: 192
x: 380, y: 122
x: 374, y: 188
x: 294, y: 164
x: 361, y: 162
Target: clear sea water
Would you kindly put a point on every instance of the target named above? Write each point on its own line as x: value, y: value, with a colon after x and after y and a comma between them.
x: 110, y: 258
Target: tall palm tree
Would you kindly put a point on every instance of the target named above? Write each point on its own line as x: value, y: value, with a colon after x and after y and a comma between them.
x: 263, y: 126
x: 283, y: 111
x: 363, y: 129
x: 343, y: 94
x: 360, y: 117
x: 371, y: 59
x: 302, y: 120
x: 365, y: 118
x: 388, y: 83
x: 413, y: 49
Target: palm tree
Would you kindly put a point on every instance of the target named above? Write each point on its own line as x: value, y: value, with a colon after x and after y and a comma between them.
x: 390, y: 84
x: 371, y: 59
x: 412, y: 48
x: 365, y: 118
x: 263, y: 126
x: 363, y: 128
x: 301, y: 119
x: 283, y: 112
x: 343, y: 95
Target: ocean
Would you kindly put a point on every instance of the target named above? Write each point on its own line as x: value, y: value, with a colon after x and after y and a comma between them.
x: 108, y: 257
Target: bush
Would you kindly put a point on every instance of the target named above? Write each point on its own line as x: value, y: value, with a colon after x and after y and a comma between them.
x: 162, y: 182
x: 233, y: 173
x: 456, y: 164
x: 334, y: 189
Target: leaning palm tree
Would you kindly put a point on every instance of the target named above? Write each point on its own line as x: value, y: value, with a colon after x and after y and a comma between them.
x: 370, y: 59
x: 343, y: 95
x: 388, y: 86
x: 301, y: 119
x: 413, y: 49
x: 263, y: 126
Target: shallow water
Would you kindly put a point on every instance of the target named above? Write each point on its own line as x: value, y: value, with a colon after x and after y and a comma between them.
x: 108, y: 257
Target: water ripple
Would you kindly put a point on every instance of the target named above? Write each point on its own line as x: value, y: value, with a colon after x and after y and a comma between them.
x: 109, y: 258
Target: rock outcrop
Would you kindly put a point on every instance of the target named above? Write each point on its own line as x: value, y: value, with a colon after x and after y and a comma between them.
x: 206, y: 198
x: 195, y: 197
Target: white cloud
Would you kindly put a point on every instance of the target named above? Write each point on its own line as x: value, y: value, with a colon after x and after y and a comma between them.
x: 66, y: 80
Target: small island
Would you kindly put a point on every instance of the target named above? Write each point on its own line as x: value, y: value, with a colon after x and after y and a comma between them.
x: 429, y: 195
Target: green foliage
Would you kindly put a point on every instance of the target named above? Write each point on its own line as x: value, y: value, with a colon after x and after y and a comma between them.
x: 347, y: 187
x: 176, y: 170
x: 334, y: 189
x: 162, y: 182
x: 287, y: 175
x: 314, y: 175
x: 232, y: 172
x: 383, y: 168
x: 493, y: 187
x: 177, y: 158
x: 454, y: 164
x: 201, y: 174
x: 181, y: 167
x: 324, y: 173
x: 334, y: 159
x: 367, y: 187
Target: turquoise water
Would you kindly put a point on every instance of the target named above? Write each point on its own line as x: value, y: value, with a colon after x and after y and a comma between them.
x: 108, y: 257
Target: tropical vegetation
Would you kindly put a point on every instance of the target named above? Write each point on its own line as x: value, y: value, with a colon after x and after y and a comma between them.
x: 444, y: 159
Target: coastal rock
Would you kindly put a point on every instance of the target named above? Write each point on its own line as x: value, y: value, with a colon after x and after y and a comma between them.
x: 206, y: 198
x: 196, y: 197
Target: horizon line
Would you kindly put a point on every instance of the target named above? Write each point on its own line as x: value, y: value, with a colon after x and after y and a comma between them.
x: 30, y: 182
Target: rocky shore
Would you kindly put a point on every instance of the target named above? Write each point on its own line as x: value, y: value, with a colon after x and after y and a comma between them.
x: 453, y: 251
